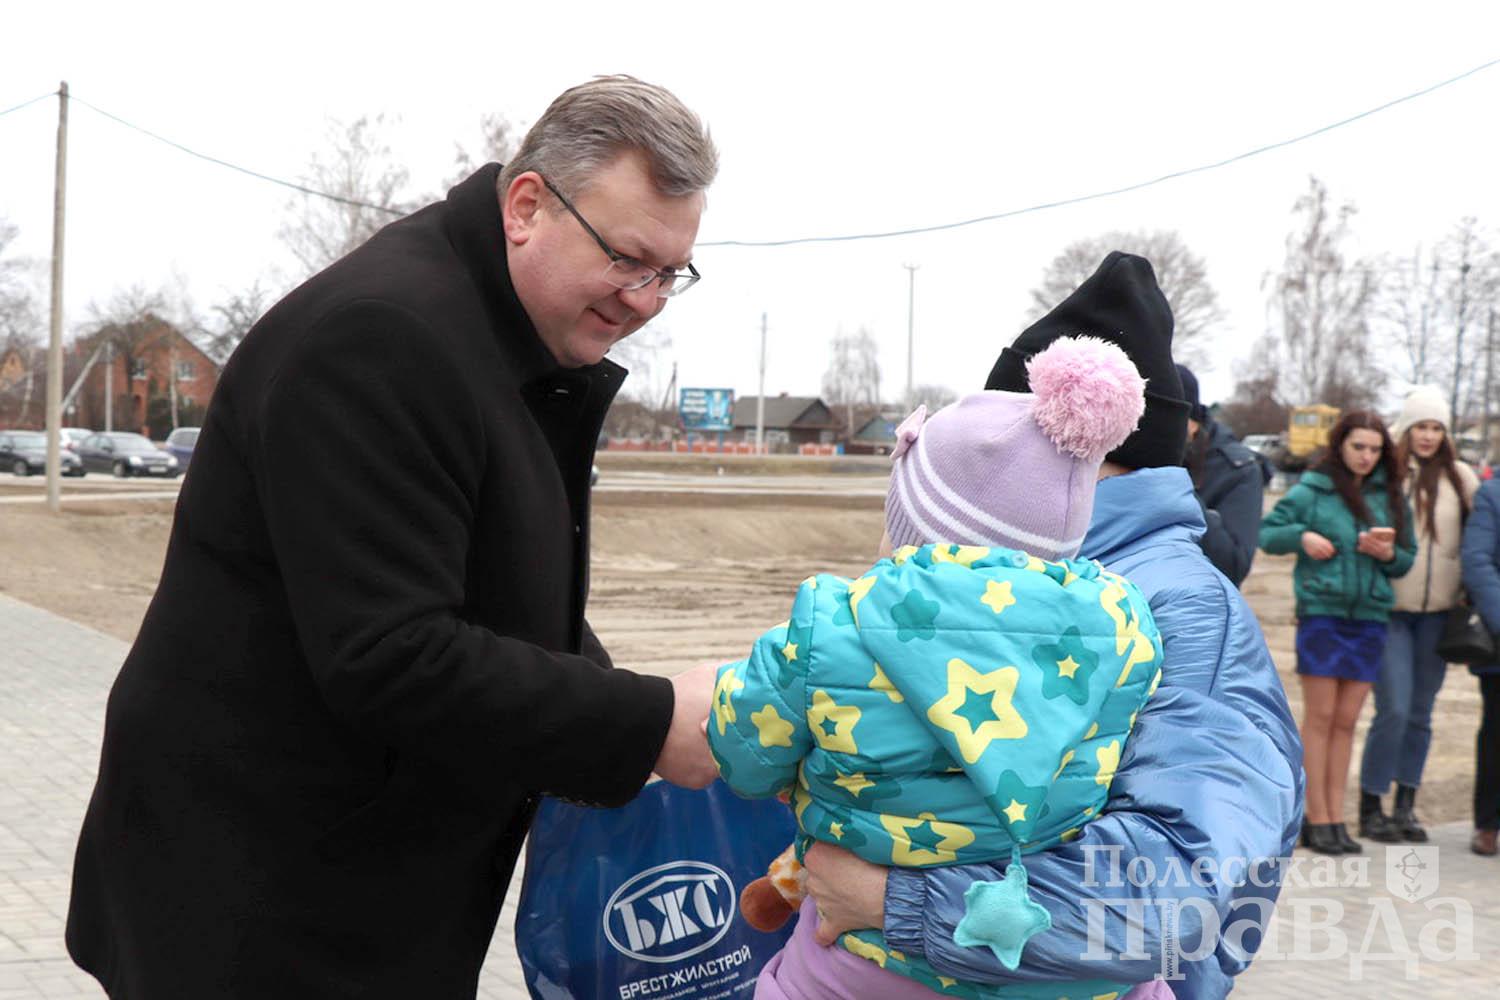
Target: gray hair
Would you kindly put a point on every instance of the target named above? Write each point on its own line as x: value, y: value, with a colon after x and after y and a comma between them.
x: 589, y: 125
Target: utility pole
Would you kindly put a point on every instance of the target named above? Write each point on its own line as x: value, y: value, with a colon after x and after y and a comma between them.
x: 54, y: 345
x: 109, y: 385
x: 760, y: 400
x: 911, y: 312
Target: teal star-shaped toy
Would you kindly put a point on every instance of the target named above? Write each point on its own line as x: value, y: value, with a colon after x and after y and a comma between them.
x: 1000, y: 916
x: 1066, y: 667
x: 915, y: 617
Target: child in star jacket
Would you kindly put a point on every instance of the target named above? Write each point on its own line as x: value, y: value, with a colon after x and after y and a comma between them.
x: 968, y: 698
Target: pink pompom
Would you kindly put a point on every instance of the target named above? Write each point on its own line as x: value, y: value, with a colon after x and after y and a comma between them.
x: 1089, y: 397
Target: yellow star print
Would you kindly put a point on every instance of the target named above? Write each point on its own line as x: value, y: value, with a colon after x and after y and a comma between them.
x: 1109, y: 761
x: 1093, y: 731
x: 1065, y: 758
x: 836, y: 830
x: 1067, y: 667
x: 947, y: 982
x: 853, y: 783
x: 864, y: 949
x: 1001, y: 686
x: 902, y: 554
x: 723, y: 692
x: 952, y: 838
x: 789, y: 651
x: 1127, y: 633
x: 843, y: 717
x: 997, y: 596
x: 1015, y: 812
x: 811, y: 583
x: 964, y: 555
x: 883, y: 683
x: 858, y: 591
x: 774, y: 730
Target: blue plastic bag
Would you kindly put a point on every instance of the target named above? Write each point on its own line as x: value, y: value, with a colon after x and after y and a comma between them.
x: 642, y: 902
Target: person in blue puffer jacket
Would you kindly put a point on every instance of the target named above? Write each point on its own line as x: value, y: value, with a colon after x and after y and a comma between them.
x: 968, y: 698
x: 1212, y: 773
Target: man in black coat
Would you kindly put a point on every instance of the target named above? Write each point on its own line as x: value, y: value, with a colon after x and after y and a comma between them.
x: 1230, y: 482
x: 367, y: 656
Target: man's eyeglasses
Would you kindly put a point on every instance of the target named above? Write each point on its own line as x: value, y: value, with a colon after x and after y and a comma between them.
x: 628, y: 273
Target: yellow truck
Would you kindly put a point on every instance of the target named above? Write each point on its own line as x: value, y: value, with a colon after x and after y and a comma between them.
x: 1307, y: 432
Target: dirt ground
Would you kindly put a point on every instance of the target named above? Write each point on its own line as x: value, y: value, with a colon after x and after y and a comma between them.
x: 676, y: 579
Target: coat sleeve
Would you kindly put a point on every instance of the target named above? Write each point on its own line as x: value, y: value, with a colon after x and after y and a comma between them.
x: 1233, y: 524
x: 368, y: 453
x: 1281, y: 530
x: 1481, y: 573
x: 758, y: 729
x: 1406, y: 548
x: 1230, y: 792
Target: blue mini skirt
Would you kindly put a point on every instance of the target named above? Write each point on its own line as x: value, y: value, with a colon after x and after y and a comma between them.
x: 1346, y: 648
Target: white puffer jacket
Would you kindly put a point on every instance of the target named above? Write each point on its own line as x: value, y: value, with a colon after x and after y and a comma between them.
x: 1432, y: 583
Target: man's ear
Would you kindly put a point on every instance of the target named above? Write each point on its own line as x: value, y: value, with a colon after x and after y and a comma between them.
x: 521, y: 206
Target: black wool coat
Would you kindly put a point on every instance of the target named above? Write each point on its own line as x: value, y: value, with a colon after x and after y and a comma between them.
x: 367, y: 655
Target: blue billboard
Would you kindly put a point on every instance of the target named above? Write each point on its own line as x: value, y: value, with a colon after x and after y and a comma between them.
x: 706, y: 409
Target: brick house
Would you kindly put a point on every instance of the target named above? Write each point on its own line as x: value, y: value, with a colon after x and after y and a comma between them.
x: 159, y: 378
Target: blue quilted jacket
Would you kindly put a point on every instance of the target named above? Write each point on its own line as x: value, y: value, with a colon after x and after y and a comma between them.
x: 951, y: 705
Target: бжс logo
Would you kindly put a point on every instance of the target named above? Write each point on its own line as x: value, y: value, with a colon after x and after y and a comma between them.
x: 670, y: 912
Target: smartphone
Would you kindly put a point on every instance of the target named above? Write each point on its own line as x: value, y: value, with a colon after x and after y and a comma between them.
x: 1383, y: 534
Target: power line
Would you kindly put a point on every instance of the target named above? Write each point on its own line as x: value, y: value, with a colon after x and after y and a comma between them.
x: 1113, y: 191
x: 26, y: 104
x: 234, y: 166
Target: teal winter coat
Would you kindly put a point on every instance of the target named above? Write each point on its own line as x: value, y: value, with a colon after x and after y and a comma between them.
x: 1350, y: 584
x: 952, y: 705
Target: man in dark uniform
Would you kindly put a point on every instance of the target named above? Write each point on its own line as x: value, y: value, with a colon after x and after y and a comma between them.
x: 367, y: 656
x: 1230, y: 481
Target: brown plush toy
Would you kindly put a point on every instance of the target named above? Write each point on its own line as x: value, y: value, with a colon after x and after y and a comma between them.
x: 770, y: 900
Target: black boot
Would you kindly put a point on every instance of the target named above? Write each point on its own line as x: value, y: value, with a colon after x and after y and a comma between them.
x: 1322, y: 839
x: 1403, y: 819
x: 1346, y: 843
x: 1374, y: 824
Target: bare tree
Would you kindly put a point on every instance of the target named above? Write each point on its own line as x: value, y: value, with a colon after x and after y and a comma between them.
x: 1320, y: 302
x: 1182, y: 274
x: 853, y: 376
x: 359, y: 170
x: 1255, y: 405
x: 1468, y: 289
x: 21, y: 326
x: 934, y: 397
x: 1409, y: 311
x: 499, y: 139
x: 232, y: 318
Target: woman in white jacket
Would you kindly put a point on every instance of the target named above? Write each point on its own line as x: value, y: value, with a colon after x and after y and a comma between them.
x: 1441, y: 490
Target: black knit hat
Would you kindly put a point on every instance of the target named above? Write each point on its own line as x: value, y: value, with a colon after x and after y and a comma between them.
x: 1121, y: 303
x: 1196, y: 410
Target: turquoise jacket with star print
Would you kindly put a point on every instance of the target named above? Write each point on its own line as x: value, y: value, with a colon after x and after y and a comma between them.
x: 951, y: 705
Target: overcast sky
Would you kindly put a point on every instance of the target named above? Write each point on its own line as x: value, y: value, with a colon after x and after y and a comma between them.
x: 831, y: 118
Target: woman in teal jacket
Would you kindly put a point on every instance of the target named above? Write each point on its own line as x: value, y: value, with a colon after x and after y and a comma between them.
x: 1348, y: 523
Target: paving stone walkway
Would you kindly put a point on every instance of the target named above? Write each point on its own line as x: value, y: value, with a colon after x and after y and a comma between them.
x: 55, y: 676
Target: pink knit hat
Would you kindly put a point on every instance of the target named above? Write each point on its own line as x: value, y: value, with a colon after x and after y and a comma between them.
x: 1016, y: 469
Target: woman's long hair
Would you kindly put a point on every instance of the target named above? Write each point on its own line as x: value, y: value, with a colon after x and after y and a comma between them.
x: 1444, y: 463
x: 1334, y: 468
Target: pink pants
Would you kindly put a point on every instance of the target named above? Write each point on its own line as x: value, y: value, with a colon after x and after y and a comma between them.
x: 805, y: 970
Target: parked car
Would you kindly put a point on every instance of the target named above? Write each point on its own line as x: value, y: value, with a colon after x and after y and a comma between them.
x: 126, y: 454
x: 25, y: 452
x: 72, y: 437
x: 180, y: 444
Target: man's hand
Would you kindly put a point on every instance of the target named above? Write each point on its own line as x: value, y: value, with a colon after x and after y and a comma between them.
x: 684, y: 758
x: 848, y: 890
